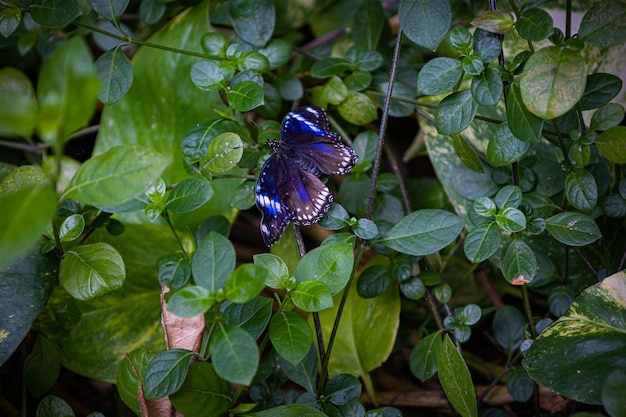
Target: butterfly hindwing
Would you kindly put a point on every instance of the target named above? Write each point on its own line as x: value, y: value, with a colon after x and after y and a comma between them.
x: 306, y: 197
x: 275, y: 215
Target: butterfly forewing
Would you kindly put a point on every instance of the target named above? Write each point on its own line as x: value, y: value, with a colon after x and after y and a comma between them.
x: 305, y: 123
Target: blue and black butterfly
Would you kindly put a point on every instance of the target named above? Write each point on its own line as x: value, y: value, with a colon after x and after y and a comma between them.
x: 289, y: 188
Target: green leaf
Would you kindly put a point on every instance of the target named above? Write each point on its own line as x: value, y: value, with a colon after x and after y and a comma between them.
x: 116, y: 73
x: 28, y: 204
x: 330, y: 264
x: 600, y: 89
x: 455, y: 112
x: 581, y: 190
x: 234, y: 354
x: 109, y: 9
x: 614, y: 403
x: 92, y: 270
x: 166, y: 373
x: 208, y: 76
x: 342, y: 389
x: 456, y: 380
x: 71, y: 228
x: 413, y: 288
x: 18, y: 105
x: 518, y: 264
x: 190, y: 301
x: 553, y: 81
x: 252, y: 316
x: 305, y: 372
x: 188, y: 195
x: 116, y: 176
x: 224, y: 153
x: 277, y: 52
x: 511, y: 220
x: 523, y: 124
x: 129, y: 374
x: 467, y: 154
x: 366, y: 229
x: 425, y: 22
x: 508, y: 196
x: 495, y: 21
x: 151, y: 11
x: 54, y: 13
x: 278, y: 274
x: 358, y: 109
x: 519, y: 384
x: 508, y: 328
x: 534, y: 24
x: 473, y: 65
x: 560, y: 299
x: 438, y: 76
x: 67, y: 90
x: 482, y: 242
x: 202, y: 390
x: 213, y: 262
x: 373, y: 281
x: 425, y: 356
x: 10, y: 19
x: 369, y: 21
x: 423, y: 232
x: 174, y: 271
x: 604, y: 24
x: 253, y: 61
x: 215, y: 44
x: 245, y: 283
x: 487, y: 87
x: 335, y: 91
x: 312, y: 296
x: 504, y: 148
x: 612, y: 144
x: 54, y: 406
x: 291, y: 410
x: 607, y: 116
x: 289, y: 86
x: 245, y: 96
x: 328, y: 67
x: 574, y: 229
x: 291, y: 336
x: 576, y: 354
x: 26, y: 285
x: 41, y: 367
x: 253, y: 20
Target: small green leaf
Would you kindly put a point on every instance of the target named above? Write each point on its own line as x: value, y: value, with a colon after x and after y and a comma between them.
x: 425, y: 355
x: 519, y: 384
x: 253, y: 61
x: 504, y: 148
x: 277, y: 273
x: 253, y: 20
x: 455, y: 112
x: 289, y: 86
x: 423, y: 232
x: 574, y: 229
x: 54, y: 13
x: 305, y: 372
x: 600, y: 89
x: 92, y: 270
x: 473, y: 65
x: 213, y: 261
x: 109, y: 9
x: 614, y: 403
x: 245, y: 283
x: 342, y: 389
x: 358, y: 109
x: 252, y: 316
x: 41, y: 367
x: 511, y: 220
x: 166, y: 373
x: 328, y: 67
x: 373, y: 281
x: 188, y: 195
x: 523, y: 124
x: 71, y: 228
x: 54, y: 406
x: 116, y: 72
x: 560, y: 299
x: 366, y: 229
x: 116, y: 176
x: 335, y: 91
x: 518, y: 264
x: 456, y: 380
x: 487, y: 87
x: 467, y: 154
x: 413, y: 288
x: 245, y: 96
x: 330, y: 264
x: 18, y: 104
x: 425, y: 22
x: 174, y: 271
x: 190, y: 301
x: 495, y: 21
x: 581, y: 190
x: 438, y: 76
x: 151, y: 11
x: 607, y: 117
x: 603, y: 25
x: 224, y: 153
x: 534, y: 24
x: 482, y: 242
x: 234, y: 354
x: 508, y: 328
x: 208, y: 76
x: 612, y: 144
x: 553, y: 81
x: 10, y: 19
x: 291, y: 336
x: 202, y: 390
x: 278, y: 52
x: 312, y: 296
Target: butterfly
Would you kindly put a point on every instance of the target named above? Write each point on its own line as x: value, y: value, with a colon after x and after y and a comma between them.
x: 289, y: 188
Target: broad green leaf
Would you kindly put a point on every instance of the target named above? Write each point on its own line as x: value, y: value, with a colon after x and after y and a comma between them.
x: 456, y: 380
x: 109, y: 9
x: 252, y: 316
x: 511, y: 220
x: 202, y: 390
x: 423, y: 232
x: 26, y: 284
x: 482, y: 242
x: 373, y: 281
x: 190, y: 301
x: 342, y: 389
x: 245, y: 96
x: 290, y: 335
x: 328, y: 67
x: 305, y: 372
x: 518, y: 264
x: 245, y: 283
x: 129, y: 374
x: 576, y: 354
x: 358, y: 109
x: 574, y: 229
x: 504, y: 148
x: 356, y: 351
x: 508, y: 196
x: 213, y: 262
x: 487, y: 87
x: 253, y: 20
x: 18, y: 105
x: 208, y: 76
x: 425, y: 22
x: 607, y: 117
x: 278, y: 274
x: 28, y: 204
x: 329, y: 264
x: 224, y: 153
x: 455, y: 112
x: 612, y: 144
x: 369, y: 21
x: 508, y: 328
x: 67, y: 90
x: 98, y: 332
x: 188, y: 195
x: 234, y: 354
x: 534, y: 24
x: 467, y: 154
x: 553, y: 81
x: 115, y: 177
x: 599, y: 90
x: 166, y: 373
x: 438, y: 76
x: 116, y: 73
x: 604, y: 24
x: 312, y: 296
x: 92, y: 270
x: 581, y: 190
x: 425, y: 356
x: 523, y: 124
x: 54, y: 13
x: 150, y: 113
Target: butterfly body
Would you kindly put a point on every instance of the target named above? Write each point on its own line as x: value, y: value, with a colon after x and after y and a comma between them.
x: 289, y: 188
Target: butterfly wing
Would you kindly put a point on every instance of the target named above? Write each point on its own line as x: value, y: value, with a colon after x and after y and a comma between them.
x: 305, y: 196
x: 301, y: 124
x: 275, y: 215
